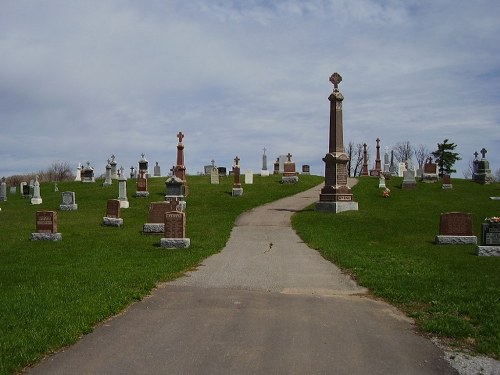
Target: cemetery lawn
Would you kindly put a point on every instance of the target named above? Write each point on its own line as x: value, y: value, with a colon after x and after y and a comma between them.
x: 51, y: 293
x: 388, y: 247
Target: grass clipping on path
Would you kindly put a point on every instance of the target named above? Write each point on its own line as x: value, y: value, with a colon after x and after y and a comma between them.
x: 53, y: 292
x: 388, y: 246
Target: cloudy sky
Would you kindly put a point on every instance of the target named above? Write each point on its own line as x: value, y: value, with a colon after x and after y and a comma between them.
x: 81, y: 80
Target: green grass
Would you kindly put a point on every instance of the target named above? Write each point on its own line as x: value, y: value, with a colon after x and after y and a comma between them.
x: 53, y: 292
x: 388, y: 246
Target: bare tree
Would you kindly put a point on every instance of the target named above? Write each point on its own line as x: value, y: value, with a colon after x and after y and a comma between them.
x: 355, y: 153
x: 421, y: 154
x: 59, y: 171
x: 403, y: 151
x: 469, y: 171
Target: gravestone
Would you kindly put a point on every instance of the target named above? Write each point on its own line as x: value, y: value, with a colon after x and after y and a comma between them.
x: 180, y: 168
x: 175, y: 187
x: 248, y: 177
x: 156, y: 215
x: 68, y: 201
x: 78, y: 175
x: 483, y: 174
x: 175, y: 231
x: 381, y: 181
x: 222, y: 171
x: 157, y: 170
x: 237, y: 189
x: 409, y: 181
x: 3, y: 190
x: 264, y: 172
x: 88, y: 174
x: 143, y: 167
x: 490, y: 238
x: 401, y: 169
x: 114, y: 171
x: 142, y: 188
x: 430, y: 173
x: 447, y: 182
x: 276, y: 166
x: 386, y: 160
x: 306, y: 169
x: 107, y: 177
x: 36, y: 199
x: 336, y: 196
x: 56, y: 187
x: 122, y: 190
x: 214, y: 176
x: 290, y: 176
x: 364, y: 168
x: 207, y: 169
x: 378, y: 167
x: 112, y: 217
x: 25, y: 190
x: 455, y: 228
x: 393, y: 168
x: 13, y: 190
x: 46, y: 227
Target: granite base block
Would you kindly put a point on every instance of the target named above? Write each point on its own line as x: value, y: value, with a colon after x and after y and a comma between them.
x: 68, y: 207
x: 488, y: 251
x: 153, y: 228
x: 46, y: 236
x: 112, y: 221
x: 409, y: 185
x: 237, y: 192
x: 141, y: 194
x: 289, y: 179
x: 36, y: 200
x: 456, y: 240
x: 175, y: 243
x: 336, y: 207
x: 447, y: 186
x: 264, y: 173
x: 124, y: 204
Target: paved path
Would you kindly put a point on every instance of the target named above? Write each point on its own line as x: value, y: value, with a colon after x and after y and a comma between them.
x: 267, y: 304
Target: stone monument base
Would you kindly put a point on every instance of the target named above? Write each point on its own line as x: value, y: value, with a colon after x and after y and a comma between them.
x: 68, y: 207
x: 46, y: 236
x: 107, y: 183
x: 488, y: 251
x: 289, y: 179
x: 447, y: 186
x: 336, y: 207
x: 430, y: 178
x: 141, y: 194
x: 456, y: 240
x: 36, y: 200
x: 175, y: 243
x: 112, y: 222
x: 237, y: 192
x: 124, y: 204
x: 88, y: 180
x: 409, y: 185
x: 264, y: 173
x: 153, y: 228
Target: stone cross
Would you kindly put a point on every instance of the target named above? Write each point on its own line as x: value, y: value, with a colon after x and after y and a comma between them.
x: 289, y: 156
x: 142, y: 155
x: 335, y: 78
x: 180, y: 136
x: 236, y: 160
x: 475, y: 154
x: 172, y: 170
x: 213, y: 162
x: 483, y: 153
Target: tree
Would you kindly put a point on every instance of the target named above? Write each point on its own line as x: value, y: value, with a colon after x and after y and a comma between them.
x: 355, y: 153
x: 469, y: 171
x: 422, y: 153
x: 403, y: 151
x: 445, y: 157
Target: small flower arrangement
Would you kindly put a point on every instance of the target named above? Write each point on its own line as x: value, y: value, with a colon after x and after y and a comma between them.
x: 386, y: 193
x: 493, y: 219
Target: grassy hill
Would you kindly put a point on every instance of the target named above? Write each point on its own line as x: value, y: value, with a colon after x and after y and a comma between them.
x: 53, y: 292
x: 388, y: 246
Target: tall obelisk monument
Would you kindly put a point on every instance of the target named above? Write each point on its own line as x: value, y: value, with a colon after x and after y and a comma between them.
x: 336, y: 196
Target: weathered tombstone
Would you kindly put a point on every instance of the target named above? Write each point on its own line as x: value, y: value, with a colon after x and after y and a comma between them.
x: 393, y: 168
x: 378, y: 167
x: 143, y: 167
x: 364, y: 168
x: 175, y: 187
x: 401, y: 169
x: 222, y: 171
x: 88, y: 173
x: 114, y: 171
x: 56, y: 187
x: 13, y: 190
x: 112, y: 217
x: 46, y: 227
x: 336, y: 196
x: 175, y: 231
x: 25, y: 190
x: 455, y: 228
x: 386, y: 160
x: 156, y: 215
x: 214, y: 176
x: 180, y: 168
x: 107, y: 177
x: 142, y: 188
x: 237, y: 189
x: 306, y: 169
x: 264, y: 172
x: 381, y: 181
x: 447, y: 182
x: 430, y: 173
x: 490, y: 238
x: 122, y: 190
x: 248, y: 177
x: 207, y: 169
x: 276, y: 166
x: 78, y: 175
x: 483, y: 174
x: 290, y: 176
x: 409, y: 181
x: 68, y: 201
x: 157, y: 170
x: 37, y: 199
x: 3, y: 190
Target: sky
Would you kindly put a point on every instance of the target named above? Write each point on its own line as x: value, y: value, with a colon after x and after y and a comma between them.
x: 81, y: 80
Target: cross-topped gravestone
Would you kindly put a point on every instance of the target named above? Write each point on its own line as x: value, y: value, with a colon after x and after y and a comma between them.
x: 335, y: 78
x: 483, y: 153
x: 364, y: 169
x: 180, y: 136
x: 237, y: 189
x: 180, y: 169
x: 476, y: 154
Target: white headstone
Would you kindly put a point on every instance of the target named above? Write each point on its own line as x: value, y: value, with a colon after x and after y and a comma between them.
x: 107, y: 177
x: 401, y: 169
x: 214, y: 176
x: 78, y: 172
x: 3, y: 190
x: 248, y: 177
x: 37, y: 199
x: 122, y: 190
x: 381, y: 181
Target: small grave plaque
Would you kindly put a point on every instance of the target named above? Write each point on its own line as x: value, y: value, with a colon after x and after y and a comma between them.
x: 491, y: 234
x: 175, y: 224
x: 46, y: 222
x: 68, y: 201
x: 456, y: 228
x: 113, y: 209
x: 26, y: 191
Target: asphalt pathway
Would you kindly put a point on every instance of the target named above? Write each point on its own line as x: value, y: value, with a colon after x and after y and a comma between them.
x: 266, y: 304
